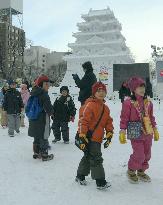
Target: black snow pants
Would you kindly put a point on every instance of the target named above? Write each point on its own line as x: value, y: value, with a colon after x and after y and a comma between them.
x: 92, y: 161
x: 59, y: 128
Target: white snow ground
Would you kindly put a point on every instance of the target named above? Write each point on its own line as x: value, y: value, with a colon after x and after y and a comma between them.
x: 25, y: 181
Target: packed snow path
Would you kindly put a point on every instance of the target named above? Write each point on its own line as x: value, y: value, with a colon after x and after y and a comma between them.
x: 25, y: 181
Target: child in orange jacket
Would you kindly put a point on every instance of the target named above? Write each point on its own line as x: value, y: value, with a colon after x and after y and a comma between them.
x: 89, y: 115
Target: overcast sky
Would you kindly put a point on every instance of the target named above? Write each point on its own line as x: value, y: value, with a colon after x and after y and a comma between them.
x: 50, y: 23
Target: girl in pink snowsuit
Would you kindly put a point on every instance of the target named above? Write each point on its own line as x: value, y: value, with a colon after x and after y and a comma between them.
x: 25, y: 96
x: 138, y: 109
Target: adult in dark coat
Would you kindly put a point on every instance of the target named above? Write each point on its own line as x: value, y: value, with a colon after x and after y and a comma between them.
x: 124, y: 91
x: 85, y: 84
x: 148, y: 89
x: 40, y: 128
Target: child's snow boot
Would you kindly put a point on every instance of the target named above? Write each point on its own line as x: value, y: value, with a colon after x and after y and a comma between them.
x: 11, y: 134
x: 102, y: 184
x: 46, y: 157
x: 132, y: 176
x: 81, y: 180
x: 142, y: 176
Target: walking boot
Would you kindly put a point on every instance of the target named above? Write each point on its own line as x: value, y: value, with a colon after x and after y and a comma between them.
x: 132, y: 176
x: 102, y: 184
x: 46, y: 157
x: 81, y: 180
x: 142, y: 176
x: 36, y: 151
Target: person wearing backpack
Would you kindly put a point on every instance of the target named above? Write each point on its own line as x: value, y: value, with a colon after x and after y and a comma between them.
x: 13, y: 105
x: 94, y: 116
x: 38, y: 110
x: 64, y: 112
x: 137, y: 122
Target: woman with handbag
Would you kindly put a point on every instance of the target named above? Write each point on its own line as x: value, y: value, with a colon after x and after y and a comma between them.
x: 94, y: 118
x: 137, y: 118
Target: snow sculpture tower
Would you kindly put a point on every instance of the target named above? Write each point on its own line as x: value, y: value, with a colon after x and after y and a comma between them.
x: 100, y: 41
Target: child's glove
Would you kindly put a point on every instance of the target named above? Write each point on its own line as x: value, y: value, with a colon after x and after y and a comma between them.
x: 108, y: 139
x: 84, y: 141
x: 156, y: 134
x: 72, y: 118
x: 82, y: 146
x: 122, y: 137
x: 83, y: 138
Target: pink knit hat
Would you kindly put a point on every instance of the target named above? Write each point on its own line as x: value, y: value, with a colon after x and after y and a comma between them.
x: 135, y: 82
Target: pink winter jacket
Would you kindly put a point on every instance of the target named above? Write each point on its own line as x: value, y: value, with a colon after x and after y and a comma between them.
x: 129, y: 112
x: 25, y: 96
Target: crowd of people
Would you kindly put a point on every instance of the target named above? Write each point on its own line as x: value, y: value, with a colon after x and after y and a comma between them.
x: 137, y: 122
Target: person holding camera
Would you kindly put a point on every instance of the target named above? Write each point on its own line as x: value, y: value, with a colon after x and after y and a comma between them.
x: 85, y: 84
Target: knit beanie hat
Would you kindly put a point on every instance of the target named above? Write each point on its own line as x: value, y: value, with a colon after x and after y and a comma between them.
x: 39, y: 81
x: 11, y: 82
x: 135, y: 82
x: 97, y: 86
x: 64, y: 88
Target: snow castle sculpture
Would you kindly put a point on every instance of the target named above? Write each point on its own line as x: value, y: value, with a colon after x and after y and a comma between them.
x: 100, y: 41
